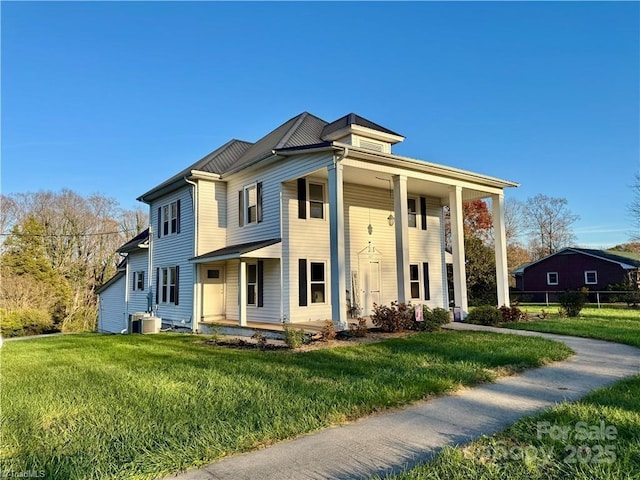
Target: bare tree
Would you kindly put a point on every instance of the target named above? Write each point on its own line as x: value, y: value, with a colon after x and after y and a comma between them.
x: 80, y: 237
x: 548, y: 221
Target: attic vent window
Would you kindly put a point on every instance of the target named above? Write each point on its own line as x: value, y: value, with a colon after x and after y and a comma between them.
x: 378, y: 147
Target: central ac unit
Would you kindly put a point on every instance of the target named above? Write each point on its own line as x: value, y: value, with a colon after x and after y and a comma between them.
x: 143, y: 322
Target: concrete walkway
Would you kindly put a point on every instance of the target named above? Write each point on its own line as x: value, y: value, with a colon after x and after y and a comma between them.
x: 390, y: 442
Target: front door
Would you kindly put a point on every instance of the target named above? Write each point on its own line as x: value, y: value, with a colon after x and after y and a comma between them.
x: 371, y: 285
x: 212, y: 293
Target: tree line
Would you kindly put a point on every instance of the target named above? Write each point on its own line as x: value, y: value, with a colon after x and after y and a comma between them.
x: 56, y: 249
x: 535, y: 228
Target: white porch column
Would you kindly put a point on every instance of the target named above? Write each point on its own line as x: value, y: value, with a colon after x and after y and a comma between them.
x: 500, y: 243
x: 197, y: 299
x: 336, y: 242
x: 401, y: 212
x: 242, y: 293
x: 457, y: 243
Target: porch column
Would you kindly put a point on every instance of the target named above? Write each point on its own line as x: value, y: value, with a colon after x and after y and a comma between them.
x: 457, y: 243
x: 197, y: 299
x: 500, y: 243
x: 336, y: 242
x: 401, y: 211
x: 242, y: 293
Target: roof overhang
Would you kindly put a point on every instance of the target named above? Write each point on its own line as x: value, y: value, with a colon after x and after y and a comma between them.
x: 261, y: 249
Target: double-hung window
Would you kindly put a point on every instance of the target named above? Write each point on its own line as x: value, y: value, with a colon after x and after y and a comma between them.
x: 317, y: 282
x: 252, y: 284
x: 138, y: 281
x: 251, y: 204
x: 414, y: 277
x: 169, y: 219
x: 316, y: 200
x: 168, y: 285
x: 412, y: 207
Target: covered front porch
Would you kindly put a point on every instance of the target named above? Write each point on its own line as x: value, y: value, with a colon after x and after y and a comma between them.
x: 239, y: 284
x: 356, y: 181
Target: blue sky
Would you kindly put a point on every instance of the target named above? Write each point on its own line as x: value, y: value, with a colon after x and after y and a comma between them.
x: 115, y: 97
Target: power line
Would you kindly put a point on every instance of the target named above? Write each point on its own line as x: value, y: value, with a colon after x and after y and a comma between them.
x: 59, y: 235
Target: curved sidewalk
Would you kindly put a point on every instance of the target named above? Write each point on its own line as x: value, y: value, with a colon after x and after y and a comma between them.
x: 390, y: 442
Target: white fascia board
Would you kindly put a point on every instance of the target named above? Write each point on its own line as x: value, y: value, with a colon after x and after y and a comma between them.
x: 427, y: 167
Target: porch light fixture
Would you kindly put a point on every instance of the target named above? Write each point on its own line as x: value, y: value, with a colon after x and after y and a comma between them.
x: 390, y: 218
x: 370, y: 227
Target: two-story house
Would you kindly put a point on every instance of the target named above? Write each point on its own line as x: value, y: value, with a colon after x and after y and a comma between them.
x: 311, y: 218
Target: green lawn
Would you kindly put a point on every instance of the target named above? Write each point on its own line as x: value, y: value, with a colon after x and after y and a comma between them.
x: 92, y: 406
x: 527, y: 450
x: 616, y: 325
x: 535, y: 449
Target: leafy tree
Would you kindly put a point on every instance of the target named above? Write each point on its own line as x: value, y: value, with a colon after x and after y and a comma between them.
x: 548, y: 221
x: 28, y: 279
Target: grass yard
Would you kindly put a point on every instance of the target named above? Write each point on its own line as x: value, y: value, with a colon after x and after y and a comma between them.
x: 616, y: 325
x: 529, y: 451
x: 535, y: 448
x: 93, y: 406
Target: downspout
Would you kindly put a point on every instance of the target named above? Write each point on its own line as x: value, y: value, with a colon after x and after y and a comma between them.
x: 194, y: 306
x: 150, y: 298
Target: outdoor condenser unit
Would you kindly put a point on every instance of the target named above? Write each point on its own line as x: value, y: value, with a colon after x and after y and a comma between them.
x: 143, y: 322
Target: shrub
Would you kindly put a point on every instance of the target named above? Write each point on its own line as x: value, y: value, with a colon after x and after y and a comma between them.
x: 328, y: 331
x: 261, y: 340
x: 292, y: 337
x: 433, y: 319
x: 396, y: 318
x: 359, y: 329
x: 27, y: 321
x: 484, y: 315
x: 572, y: 303
x: 512, y: 314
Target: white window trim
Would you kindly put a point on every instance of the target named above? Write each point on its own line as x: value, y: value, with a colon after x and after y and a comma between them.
x: 136, y: 278
x: 167, y: 218
x: 253, y: 305
x: 170, y: 281
x: 586, y: 278
x: 324, y: 199
x: 245, y: 214
x: 311, y: 303
x: 549, y: 282
x: 417, y: 212
x: 419, y: 280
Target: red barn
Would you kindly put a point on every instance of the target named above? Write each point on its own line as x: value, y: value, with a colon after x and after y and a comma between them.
x: 574, y: 268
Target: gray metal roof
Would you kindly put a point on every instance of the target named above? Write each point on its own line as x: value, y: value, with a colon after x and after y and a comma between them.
x: 303, y: 129
x: 135, y: 242
x: 217, y: 161
x: 353, y: 119
x: 239, y: 249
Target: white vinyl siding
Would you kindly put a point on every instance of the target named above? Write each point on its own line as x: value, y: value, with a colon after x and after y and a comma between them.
x: 212, y: 221
x: 271, y: 178
x: 137, y: 299
x: 172, y: 251
x: 270, y: 311
x: 112, y: 309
